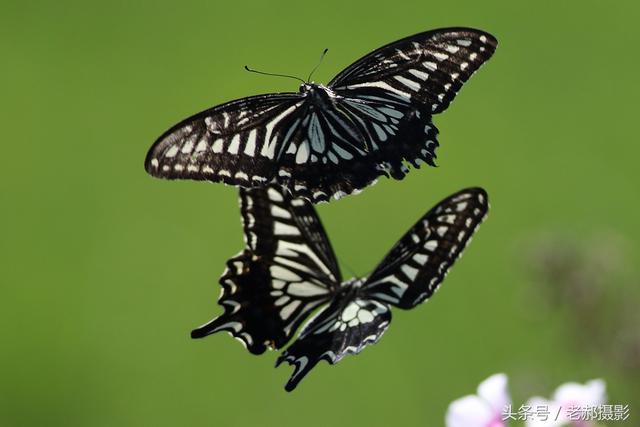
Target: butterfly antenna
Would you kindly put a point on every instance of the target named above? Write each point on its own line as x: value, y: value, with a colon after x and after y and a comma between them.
x: 316, y: 67
x: 348, y: 267
x: 246, y: 67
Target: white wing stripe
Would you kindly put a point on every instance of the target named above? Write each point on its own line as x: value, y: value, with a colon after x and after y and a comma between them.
x: 414, y: 86
x: 268, y: 150
x: 284, y: 246
x: 382, y: 85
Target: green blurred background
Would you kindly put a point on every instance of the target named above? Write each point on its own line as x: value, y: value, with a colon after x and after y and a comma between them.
x: 105, y: 270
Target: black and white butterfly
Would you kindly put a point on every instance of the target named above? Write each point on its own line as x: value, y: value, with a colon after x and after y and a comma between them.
x: 288, y: 270
x: 330, y: 140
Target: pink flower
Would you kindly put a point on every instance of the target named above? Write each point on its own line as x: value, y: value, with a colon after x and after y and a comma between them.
x: 484, y: 409
x: 568, y: 404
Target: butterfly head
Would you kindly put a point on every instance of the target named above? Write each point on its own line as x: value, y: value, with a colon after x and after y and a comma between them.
x: 351, y: 286
x: 317, y: 93
x: 312, y: 88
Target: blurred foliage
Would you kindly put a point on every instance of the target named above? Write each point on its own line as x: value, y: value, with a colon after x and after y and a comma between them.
x: 106, y: 270
x: 592, y: 280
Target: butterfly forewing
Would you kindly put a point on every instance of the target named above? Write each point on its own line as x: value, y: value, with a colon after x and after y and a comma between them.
x: 428, y: 68
x: 345, y: 327
x: 236, y: 143
x: 286, y: 271
x: 418, y: 263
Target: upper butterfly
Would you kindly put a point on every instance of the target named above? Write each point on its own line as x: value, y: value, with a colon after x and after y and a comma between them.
x: 330, y: 140
x: 288, y: 270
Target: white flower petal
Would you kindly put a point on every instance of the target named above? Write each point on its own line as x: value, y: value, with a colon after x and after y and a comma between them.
x: 469, y: 411
x: 494, y: 391
x: 590, y: 394
x: 542, y: 404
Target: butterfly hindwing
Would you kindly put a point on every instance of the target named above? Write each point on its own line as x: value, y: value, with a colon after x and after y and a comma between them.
x: 345, y: 327
x: 417, y: 264
x: 287, y: 269
x: 346, y: 166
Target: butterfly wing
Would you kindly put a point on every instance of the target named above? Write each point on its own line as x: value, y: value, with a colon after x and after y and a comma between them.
x: 346, y: 326
x: 287, y: 269
x: 417, y: 264
x: 236, y: 143
x: 428, y: 68
x: 391, y: 94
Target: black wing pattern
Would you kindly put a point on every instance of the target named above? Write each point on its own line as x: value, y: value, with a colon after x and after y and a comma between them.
x: 286, y: 270
x: 330, y: 141
x: 417, y: 264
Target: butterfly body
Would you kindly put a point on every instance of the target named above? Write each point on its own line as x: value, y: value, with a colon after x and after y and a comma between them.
x: 349, y: 289
x: 327, y: 141
x: 288, y: 271
x: 318, y: 94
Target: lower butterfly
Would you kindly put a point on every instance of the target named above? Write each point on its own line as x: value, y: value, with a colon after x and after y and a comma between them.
x: 288, y: 269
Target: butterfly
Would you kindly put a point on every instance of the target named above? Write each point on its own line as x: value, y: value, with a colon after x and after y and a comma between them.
x: 329, y: 141
x: 289, y: 270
